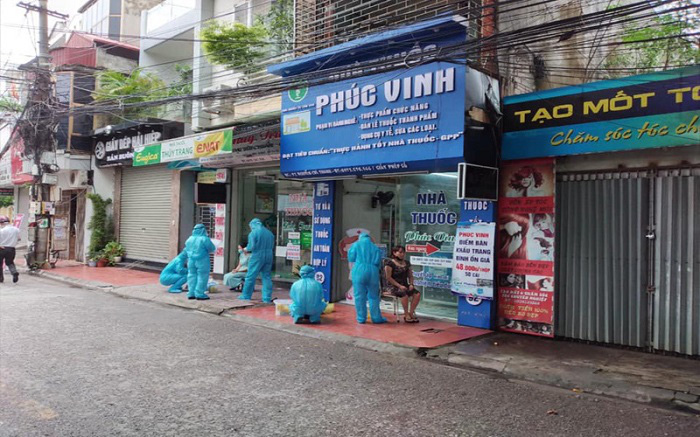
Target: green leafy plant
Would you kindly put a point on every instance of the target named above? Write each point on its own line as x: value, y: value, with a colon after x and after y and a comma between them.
x: 8, y: 104
x: 184, y: 85
x: 234, y: 45
x: 99, y: 226
x: 113, y: 250
x: 279, y: 24
x: 6, y: 201
x: 663, y: 43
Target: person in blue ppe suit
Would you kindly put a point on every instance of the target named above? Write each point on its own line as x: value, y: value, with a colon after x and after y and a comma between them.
x: 175, y: 273
x: 366, y: 257
x: 307, y: 297
x: 198, y: 247
x: 261, y: 244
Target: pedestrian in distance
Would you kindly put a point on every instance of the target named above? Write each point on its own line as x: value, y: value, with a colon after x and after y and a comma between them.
x: 261, y: 244
x: 366, y: 258
x: 198, y: 247
x: 9, y: 236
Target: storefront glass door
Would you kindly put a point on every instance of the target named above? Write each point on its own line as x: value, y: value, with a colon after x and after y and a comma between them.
x: 419, y: 212
x: 285, y: 208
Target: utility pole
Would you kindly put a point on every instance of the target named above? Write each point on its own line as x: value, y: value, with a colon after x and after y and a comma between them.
x: 37, y: 129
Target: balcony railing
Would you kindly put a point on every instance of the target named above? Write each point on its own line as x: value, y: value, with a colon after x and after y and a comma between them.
x: 167, y: 12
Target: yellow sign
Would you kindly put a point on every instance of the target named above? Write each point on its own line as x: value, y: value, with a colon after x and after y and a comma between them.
x: 210, y: 145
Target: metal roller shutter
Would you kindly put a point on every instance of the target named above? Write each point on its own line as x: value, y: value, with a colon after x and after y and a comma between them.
x: 146, y: 202
x: 677, y: 260
x: 602, y: 265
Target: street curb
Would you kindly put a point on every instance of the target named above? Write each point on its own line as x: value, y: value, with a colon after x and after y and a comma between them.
x: 658, y: 397
x: 45, y: 274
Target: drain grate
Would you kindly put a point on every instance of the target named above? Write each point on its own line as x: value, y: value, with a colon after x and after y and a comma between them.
x: 432, y: 331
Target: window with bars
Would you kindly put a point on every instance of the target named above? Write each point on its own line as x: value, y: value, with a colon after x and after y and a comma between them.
x: 324, y: 23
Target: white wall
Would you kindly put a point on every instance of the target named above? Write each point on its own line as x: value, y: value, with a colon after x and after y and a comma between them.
x: 104, y: 183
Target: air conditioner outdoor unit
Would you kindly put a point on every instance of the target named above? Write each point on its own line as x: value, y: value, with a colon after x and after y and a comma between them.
x: 78, y: 178
x: 220, y: 104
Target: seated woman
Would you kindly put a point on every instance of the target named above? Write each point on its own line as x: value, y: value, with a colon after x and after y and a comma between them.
x: 399, y: 282
x: 234, y: 280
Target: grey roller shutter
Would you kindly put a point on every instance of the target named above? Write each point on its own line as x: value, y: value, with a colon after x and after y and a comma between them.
x: 146, y: 203
x: 601, y: 266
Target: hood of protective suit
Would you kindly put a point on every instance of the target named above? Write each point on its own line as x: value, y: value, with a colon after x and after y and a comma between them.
x: 364, y: 235
x: 306, y: 272
x: 199, y: 230
x: 255, y: 224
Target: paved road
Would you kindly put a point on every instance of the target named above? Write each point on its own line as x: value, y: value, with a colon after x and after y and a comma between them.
x: 84, y: 363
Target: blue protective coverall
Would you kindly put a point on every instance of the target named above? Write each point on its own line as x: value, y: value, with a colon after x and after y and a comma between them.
x: 261, y: 244
x: 198, y: 247
x: 365, y: 278
x: 175, y: 273
x: 307, y: 295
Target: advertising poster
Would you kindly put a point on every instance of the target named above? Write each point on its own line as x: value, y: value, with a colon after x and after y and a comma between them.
x: 393, y: 122
x: 473, y: 255
x: 652, y: 110
x: 219, y: 235
x: 322, y: 238
x: 526, y: 247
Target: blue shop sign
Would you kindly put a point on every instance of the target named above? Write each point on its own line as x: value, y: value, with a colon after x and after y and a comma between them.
x: 391, y: 122
x: 648, y: 111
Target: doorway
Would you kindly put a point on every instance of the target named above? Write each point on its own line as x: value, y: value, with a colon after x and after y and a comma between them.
x: 389, y: 209
x: 68, y: 224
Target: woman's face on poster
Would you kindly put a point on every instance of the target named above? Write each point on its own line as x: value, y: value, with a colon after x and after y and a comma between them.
x: 512, y: 228
x: 510, y: 278
x: 526, y: 181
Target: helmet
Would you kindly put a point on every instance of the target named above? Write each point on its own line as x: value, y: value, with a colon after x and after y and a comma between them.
x: 4, y: 219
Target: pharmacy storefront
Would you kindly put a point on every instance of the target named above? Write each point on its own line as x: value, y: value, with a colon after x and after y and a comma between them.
x: 382, y: 150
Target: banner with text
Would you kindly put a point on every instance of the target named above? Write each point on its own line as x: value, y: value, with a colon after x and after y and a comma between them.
x: 473, y: 255
x: 385, y: 123
x: 322, y: 239
x: 190, y: 147
x: 653, y: 110
x: 526, y: 247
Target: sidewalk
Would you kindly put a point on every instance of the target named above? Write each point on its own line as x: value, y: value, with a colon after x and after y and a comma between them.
x: 665, y: 381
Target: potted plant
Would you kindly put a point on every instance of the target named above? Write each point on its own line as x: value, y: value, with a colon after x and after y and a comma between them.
x: 101, y: 230
x: 102, y: 260
x: 92, y: 262
x: 114, y: 252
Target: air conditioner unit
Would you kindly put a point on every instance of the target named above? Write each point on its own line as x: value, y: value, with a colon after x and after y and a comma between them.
x: 78, y: 178
x: 220, y: 104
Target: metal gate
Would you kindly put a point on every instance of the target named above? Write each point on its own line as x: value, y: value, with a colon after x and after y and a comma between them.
x: 146, y: 204
x: 627, y: 259
x: 677, y: 261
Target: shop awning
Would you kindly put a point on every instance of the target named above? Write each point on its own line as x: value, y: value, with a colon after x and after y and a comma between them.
x: 374, y: 46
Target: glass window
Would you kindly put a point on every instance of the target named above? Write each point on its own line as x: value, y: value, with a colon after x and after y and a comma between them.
x: 419, y: 212
x: 114, y: 28
x: 428, y: 215
x: 285, y: 208
x: 115, y: 7
x: 241, y: 13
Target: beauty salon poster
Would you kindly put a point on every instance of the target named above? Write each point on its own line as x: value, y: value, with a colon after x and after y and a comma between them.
x: 526, y: 247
